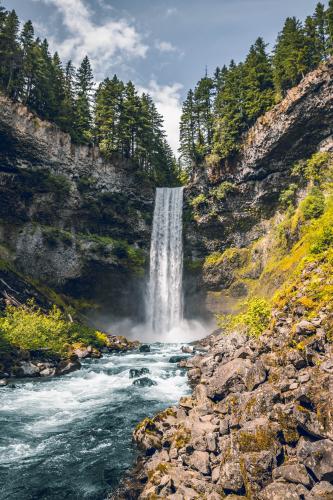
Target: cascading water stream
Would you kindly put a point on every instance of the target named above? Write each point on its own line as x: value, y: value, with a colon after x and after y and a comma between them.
x: 165, y: 294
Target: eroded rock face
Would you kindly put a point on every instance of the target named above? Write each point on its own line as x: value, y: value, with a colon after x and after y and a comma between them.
x: 258, y: 424
x: 293, y: 130
x: 69, y: 218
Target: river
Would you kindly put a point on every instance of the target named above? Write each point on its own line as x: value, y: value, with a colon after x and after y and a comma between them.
x: 70, y: 437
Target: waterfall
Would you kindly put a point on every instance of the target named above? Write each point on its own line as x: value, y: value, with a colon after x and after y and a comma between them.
x: 165, y: 294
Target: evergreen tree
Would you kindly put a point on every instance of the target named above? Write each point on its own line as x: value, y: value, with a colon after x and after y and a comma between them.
x: 320, y: 20
x: 258, y: 82
x: 203, y: 104
x: 84, y: 87
x: 68, y: 120
x: 290, y: 64
x: 10, y: 54
x: 329, y: 27
x: 188, y: 132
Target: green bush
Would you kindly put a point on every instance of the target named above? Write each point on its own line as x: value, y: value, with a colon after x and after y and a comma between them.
x: 323, y: 240
x: 313, y: 206
x: 223, y: 189
x: 288, y: 196
x: 314, y: 168
x: 253, y: 321
x: 28, y: 327
x: 198, y: 200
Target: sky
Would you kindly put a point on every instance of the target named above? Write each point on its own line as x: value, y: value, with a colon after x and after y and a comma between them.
x: 163, y: 46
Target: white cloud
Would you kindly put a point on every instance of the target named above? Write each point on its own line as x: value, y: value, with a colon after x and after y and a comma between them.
x: 171, y: 11
x: 165, y: 47
x: 105, y: 43
x: 169, y: 104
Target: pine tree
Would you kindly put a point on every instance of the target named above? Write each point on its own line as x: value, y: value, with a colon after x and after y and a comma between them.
x: 68, y: 121
x: 29, y: 62
x: 188, y: 132
x: 84, y: 87
x: 320, y: 20
x: 329, y: 26
x: 10, y: 54
x: 258, y: 82
x: 313, y: 55
x: 203, y: 104
x: 290, y: 61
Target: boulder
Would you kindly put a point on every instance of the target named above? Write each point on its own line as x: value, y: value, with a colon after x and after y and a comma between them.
x: 318, y: 457
x: 255, y: 376
x: 321, y: 491
x: 293, y: 473
x: 283, y: 491
x: 231, y: 476
x: 199, y: 460
x: 177, y: 359
x: 67, y: 366
x: 144, y: 382
x: 138, y: 372
x: 144, y: 348
x: 228, y: 376
x: 188, y: 349
x: 305, y: 328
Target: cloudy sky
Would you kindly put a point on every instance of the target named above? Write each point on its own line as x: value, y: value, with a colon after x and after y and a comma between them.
x: 163, y: 46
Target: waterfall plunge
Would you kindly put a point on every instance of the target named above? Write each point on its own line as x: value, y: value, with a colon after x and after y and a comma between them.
x: 165, y: 295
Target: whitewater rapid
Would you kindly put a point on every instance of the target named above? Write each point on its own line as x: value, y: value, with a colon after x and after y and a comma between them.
x: 70, y: 437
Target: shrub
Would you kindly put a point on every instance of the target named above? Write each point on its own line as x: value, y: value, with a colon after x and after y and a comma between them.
x: 253, y: 321
x: 314, y: 168
x: 28, y: 327
x: 288, y: 196
x: 198, y: 200
x: 313, y: 206
x: 223, y: 189
x: 323, y: 240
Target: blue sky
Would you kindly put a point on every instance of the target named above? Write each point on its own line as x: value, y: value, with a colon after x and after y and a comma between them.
x: 164, y: 46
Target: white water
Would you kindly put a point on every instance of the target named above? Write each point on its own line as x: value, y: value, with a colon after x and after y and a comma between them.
x: 165, y: 295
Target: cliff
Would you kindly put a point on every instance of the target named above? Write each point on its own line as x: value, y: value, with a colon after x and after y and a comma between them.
x: 232, y: 205
x: 70, y: 220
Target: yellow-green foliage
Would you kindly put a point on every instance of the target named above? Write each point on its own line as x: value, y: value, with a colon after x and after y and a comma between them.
x: 223, y: 189
x: 287, y: 197
x: 198, y: 200
x: 28, y: 327
x: 233, y: 256
x: 315, y: 168
x: 313, y: 206
x: 254, y: 320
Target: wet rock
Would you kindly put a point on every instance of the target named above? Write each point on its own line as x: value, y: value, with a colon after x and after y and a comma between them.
x: 177, y: 359
x: 144, y: 382
x: 26, y: 369
x: 67, y: 366
x: 318, y: 457
x: 3, y: 382
x: 138, y: 372
x: 144, y: 348
x: 188, y: 349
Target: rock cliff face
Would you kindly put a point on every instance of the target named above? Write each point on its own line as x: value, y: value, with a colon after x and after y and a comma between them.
x: 228, y: 205
x: 69, y: 219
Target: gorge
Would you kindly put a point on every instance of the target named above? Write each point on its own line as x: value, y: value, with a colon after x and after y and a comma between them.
x: 166, y: 327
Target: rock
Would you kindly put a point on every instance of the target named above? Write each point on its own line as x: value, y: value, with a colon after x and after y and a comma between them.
x: 255, y: 376
x: 144, y: 382
x: 283, y: 491
x: 231, y: 477
x: 293, y: 473
x: 26, y: 369
x: 228, y: 376
x: 188, y: 349
x: 177, y: 359
x: 305, y: 328
x: 318, y: 457
x: 67, y: 366
x: 138, y: 372
x: 82, y: 352
x: 3, y: 382
x: 48, y: 372
x: 144, y: 348
x: 199, y: 460
x: 321, y: 491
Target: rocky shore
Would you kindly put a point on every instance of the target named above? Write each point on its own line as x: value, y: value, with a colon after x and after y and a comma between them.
x: 19, y: 363
x: 259, y: 423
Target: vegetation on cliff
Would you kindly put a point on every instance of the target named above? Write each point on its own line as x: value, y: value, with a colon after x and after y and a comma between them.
x: 223, y: 107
